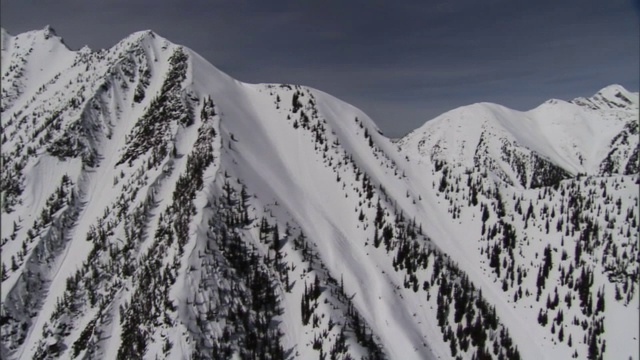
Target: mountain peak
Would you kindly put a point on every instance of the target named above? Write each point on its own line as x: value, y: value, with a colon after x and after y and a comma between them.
x: 610, y: 97
x: 612, y: 88
x: 553, y: 101
x: 143, y: 34
x: 139, y: 38
x: 49, y: 31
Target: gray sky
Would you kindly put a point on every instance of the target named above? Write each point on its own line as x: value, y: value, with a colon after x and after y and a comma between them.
x: 402, y: 62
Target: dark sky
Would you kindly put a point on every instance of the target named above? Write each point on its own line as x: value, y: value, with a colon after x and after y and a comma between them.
x: 402, y: 62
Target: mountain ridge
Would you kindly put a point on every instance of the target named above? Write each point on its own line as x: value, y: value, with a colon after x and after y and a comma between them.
x: 179, y: 212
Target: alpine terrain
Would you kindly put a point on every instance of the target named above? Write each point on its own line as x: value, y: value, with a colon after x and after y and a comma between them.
x: 155, y: 208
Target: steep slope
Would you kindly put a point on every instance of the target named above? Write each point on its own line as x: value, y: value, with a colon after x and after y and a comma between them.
x: 154, y: 207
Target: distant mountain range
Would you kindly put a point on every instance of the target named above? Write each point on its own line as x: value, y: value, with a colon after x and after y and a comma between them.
x: 154, y: 207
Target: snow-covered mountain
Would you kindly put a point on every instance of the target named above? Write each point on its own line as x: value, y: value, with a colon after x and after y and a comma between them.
x: 557, y: 140
x: 154, y: 207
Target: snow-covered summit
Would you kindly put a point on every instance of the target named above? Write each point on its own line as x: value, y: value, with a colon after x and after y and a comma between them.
x: 142, y: 37
x: 49, y: 32
x: 565, y: 138
x: 35, y: 36
x: 611, y: 97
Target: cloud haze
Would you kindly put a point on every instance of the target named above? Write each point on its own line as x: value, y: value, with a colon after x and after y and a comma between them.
x: 401, y: 62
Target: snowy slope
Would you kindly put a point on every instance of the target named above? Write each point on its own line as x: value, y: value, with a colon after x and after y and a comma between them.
x: 154, y: 207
